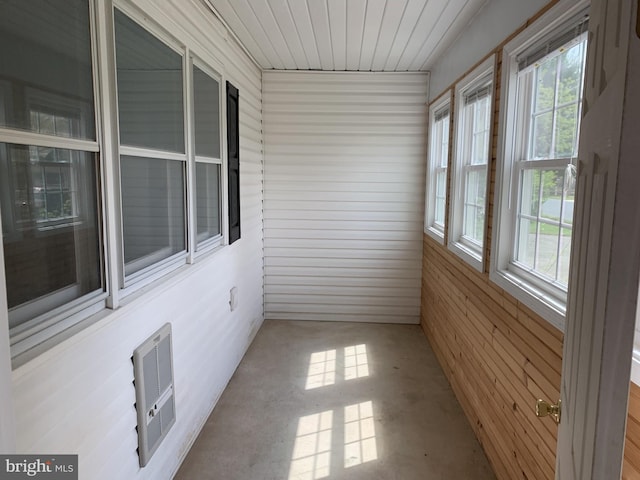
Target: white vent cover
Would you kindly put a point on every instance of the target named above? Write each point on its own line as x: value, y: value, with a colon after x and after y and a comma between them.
x: 153, y: 374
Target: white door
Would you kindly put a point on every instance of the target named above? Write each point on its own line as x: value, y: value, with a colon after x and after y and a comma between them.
x: 603, y: 286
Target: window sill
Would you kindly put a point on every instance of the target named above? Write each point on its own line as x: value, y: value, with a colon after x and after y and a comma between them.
x: 209, y: 246
x: 470, y: 256
x: 55, y: 329
x: 82, y: 320
x: 436, y: 234
x: 549, y: 308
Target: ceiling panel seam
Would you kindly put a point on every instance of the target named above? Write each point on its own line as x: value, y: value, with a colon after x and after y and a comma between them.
x: 364, y: 19
x: 460, y: 12
x: 284, y: 40
x: 384, y: 12
x: 267, y: 36
x: 428, y: 36
x: 295, y: 26
x: 233, y: 34
x: 415, y: 25
x: 313, y: 30
x: 395, y: 35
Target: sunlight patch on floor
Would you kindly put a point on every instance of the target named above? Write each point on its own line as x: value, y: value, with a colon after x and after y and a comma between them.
x: 324, y: 366
x: 312, y: 448
x: 356, y: 362
x: 322, y: 369
x: 359, y: 434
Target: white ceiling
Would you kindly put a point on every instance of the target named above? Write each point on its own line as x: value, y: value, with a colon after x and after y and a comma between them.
x: 368, y: 35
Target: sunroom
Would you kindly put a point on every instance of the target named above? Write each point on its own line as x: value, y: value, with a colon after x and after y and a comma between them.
x: 393, y: 182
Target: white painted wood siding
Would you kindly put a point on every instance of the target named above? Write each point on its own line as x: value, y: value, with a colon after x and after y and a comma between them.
x: 78, y: 397
x: 344, y: 195
x: 365, y: 35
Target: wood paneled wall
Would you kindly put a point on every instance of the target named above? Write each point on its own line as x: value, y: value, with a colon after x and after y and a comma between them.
x: 631, y: 466
x: 499, y: 356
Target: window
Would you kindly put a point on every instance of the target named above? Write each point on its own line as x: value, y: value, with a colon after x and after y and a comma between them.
x: 438, y: 160
x: 206, y: 91
x: 152, y: 153
x: 169, y: 165
x: 49, y: 171
x: 157, y: 155
x: 469, y: 187
x: 544, y: 96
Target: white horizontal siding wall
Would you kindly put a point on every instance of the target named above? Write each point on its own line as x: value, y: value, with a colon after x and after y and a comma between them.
x: 344, y: 191
x: 78, y: 397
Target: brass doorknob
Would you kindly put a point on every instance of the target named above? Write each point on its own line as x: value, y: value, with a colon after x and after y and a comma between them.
x: 544, y: 409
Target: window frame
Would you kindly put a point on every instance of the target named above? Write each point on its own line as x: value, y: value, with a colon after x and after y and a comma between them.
x: 464, y: 248
x: 43, y: 327
x: 44, y: 331
x: 431, y: 228
x: 528, y: 288
x: 207, y: 245
x: 133, y: 282
x: 130, y: 282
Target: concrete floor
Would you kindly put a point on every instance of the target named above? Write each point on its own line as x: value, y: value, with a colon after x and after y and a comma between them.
x: 315, y: 400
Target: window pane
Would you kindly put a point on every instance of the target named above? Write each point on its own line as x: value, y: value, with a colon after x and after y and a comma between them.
x: 552, y: 186
x: 481, y: 120
x: 45, y: 67
x: 474, y: 204
x: 530, y: 193
x: 542, y: 126
x: 436, y: 144
x: 542, y: 237
x: 547, y: 260
x: 444, y: 152
x: 570, y: 74
x: 206, y: 93
x: 567, y: 131
x: 526, y: 248
x: 569, y: 195
x: 208, y: 200
x: 545, y: 85
x: 441, y: 181
x: 565, y: 256
x: 150, y: 97
x: 152, y: 210
x: 478, y: 136
x: 51, y: 230
x: 479, y: 148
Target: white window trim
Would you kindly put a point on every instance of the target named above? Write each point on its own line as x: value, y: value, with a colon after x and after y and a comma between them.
x: 198, y: 248
x: 430, y: 228
x: 455, y: 242
x: 544, y: 304
x: 129, y: 282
